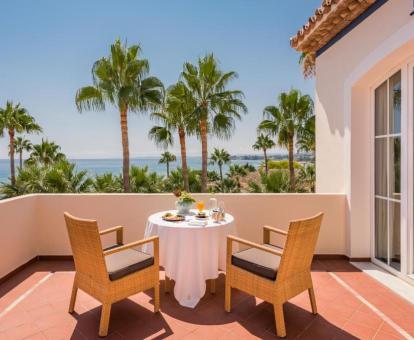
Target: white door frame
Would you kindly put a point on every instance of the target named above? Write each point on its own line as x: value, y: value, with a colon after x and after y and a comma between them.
x: 410, y: 162
x: 407, y: 163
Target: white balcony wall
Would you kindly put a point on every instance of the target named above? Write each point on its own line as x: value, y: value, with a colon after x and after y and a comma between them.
x: 18, y: 240
x: 34, y: 225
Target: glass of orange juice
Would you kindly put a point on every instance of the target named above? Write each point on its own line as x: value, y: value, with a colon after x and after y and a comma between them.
x: 200, y: 206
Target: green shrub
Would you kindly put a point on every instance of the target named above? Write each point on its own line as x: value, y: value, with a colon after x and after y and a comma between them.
x: 281, y: 165
x: 276, y: 181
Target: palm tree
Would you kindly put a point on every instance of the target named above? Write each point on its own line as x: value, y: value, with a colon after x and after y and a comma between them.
x: 264, y: 142
x: 286, y: 121
x: 59, y: 177
x: 22, y: 144
x: 216, y: 107
x: 220, y: 157
x: 167, y: 158
x: 308, y: 62
x: 45, y: 153
x: 120, y: 80
x: 107, y: 182
x: 176, y: 116
x: 144, y: 181
x: 16, y: 119
x: 307, y: 176
x: 62, y: 176
x: 229, y: 185
x: 237, y: 172
x: 306, y: 138
x: 277, y: 182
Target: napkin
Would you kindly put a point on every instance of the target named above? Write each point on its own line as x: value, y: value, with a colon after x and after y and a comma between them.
x: 198, y: 223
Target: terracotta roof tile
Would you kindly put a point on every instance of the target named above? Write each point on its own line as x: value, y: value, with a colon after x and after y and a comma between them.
x: 329, y: 19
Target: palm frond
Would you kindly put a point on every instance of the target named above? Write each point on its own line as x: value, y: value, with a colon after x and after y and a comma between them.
x: 162, y: 136
x: 89, y: 98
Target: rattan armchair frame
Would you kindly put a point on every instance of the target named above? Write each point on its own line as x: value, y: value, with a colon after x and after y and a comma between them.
x: 91, y: 273
x: 294, y: 273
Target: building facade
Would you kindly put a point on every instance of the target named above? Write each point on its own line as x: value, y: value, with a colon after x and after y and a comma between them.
x: 364, y: 60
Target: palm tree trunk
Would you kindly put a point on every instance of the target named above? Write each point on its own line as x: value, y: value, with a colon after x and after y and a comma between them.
x: 168, y: 169
x: 221, y: 172
x: 221, y: 177
x: 204, y: 156
x: 12, y: 169
x: 21, y: 159
x: 291, y: 165
x: 265, y: 159
x: 125, y: 150
x: 181, y: 134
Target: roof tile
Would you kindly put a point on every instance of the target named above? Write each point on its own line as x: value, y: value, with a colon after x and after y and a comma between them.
x: 329, y: 19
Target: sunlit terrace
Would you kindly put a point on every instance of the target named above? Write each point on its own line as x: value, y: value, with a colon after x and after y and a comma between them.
x: 38, y: 274
x: 249, y: 203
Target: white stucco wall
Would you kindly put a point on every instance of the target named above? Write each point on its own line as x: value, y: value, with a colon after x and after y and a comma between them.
x: 346, y: 73
x: 34, y: 225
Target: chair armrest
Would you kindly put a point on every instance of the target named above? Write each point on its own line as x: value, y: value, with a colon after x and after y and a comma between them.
x: 231, y: 239
x: 267, y: 230
x: 275, y: 230
x: 154, y: 239
x: 119, y: 229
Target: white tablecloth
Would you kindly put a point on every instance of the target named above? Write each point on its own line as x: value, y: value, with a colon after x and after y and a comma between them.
x: 190, y: 254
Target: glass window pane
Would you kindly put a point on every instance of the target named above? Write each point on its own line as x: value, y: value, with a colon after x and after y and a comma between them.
x: 381, y: 110
x: 381, y: 167
x: 395, y: 168
x: 381, y: 234
x: 395, y: 236
x: 395, y: 103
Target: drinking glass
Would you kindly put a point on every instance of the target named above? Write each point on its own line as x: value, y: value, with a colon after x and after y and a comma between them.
x: 212, y: 205
x: 200, y: 206
x: 222, y: 209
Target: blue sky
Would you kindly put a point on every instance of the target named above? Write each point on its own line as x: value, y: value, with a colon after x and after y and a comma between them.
x: 49, y: 46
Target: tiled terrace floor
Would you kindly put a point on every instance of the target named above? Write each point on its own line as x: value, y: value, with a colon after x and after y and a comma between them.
x: 34, y: 302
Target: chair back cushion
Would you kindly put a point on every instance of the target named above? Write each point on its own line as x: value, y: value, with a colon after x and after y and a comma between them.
x: 86, y: 247
x: 299, y: 247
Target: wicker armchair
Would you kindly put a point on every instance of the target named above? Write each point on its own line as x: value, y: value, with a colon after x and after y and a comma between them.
x: 272, y: 273
x: 112, y: 274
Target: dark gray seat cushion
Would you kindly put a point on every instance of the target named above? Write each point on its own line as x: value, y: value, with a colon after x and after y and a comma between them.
x: 258, y: 262
x: 126, y: 262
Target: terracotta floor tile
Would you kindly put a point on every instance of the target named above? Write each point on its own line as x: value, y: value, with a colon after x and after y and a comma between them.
x: 207, y: 333
x: 369, y: 319
x: 336, y: 309
x: 385, y: 336
x: 43, y: 314
x: 14, y: 319
x: 358, y: 330
x: 157, y: 328
x: 406, y: 322
x: 63, y: 332
x: 386, y: 328
x: 320, y: 329
x: 21, y: 332
x: 37, y: 336
x: 246, y: 333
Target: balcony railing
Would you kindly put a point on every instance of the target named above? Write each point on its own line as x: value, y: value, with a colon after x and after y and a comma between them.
x: 33, y: 225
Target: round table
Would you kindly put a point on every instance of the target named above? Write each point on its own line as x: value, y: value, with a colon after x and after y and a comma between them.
x: 190, y: 254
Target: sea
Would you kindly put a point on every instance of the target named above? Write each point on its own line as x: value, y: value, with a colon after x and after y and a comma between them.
x: 100, y: 166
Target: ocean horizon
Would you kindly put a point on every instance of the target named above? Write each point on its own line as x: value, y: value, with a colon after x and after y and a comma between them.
x: 114, y: 165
